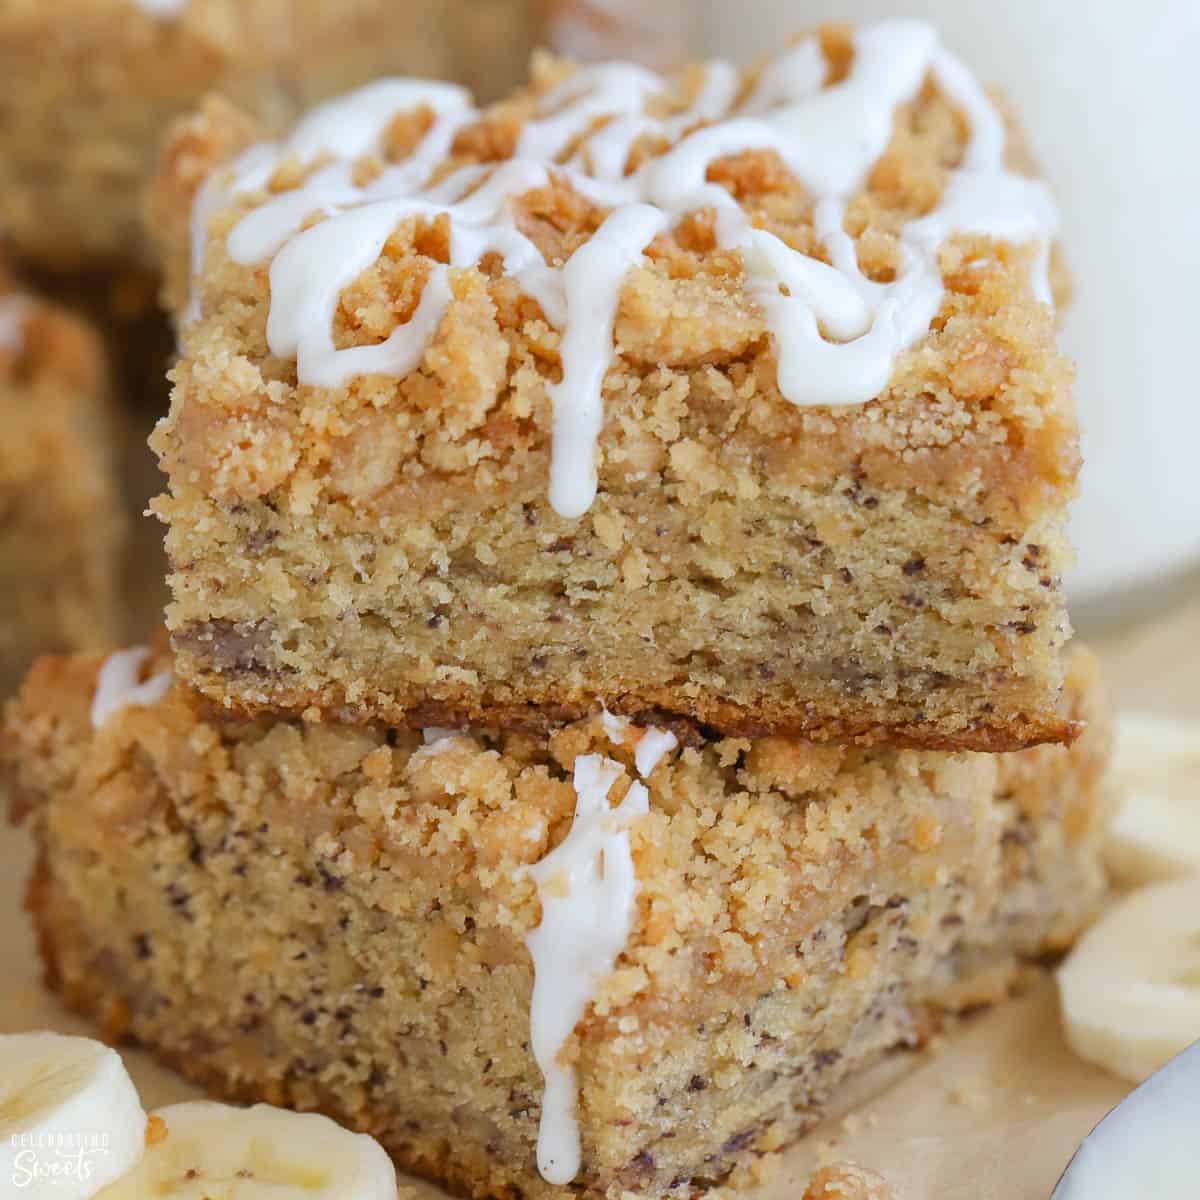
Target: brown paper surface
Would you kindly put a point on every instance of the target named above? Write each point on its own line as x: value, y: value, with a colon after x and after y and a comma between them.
x: 992, y: 1111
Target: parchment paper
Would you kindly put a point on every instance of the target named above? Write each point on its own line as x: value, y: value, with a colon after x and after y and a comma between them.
x: 992, y: 1111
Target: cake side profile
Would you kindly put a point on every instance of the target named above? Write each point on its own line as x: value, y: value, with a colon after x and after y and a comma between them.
x: 90, y: 86
x: 62, y: 528
x: 596, y: 957
x: 725, y: 399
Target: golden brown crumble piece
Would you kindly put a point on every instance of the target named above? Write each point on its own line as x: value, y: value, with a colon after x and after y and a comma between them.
x: 383, y: 548
x: 156, y: 1129
x: 334, y: 917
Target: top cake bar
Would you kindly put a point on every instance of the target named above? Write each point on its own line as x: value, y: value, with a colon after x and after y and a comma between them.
x: 729, y: 399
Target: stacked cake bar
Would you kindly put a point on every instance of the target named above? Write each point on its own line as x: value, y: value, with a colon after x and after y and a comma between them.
x: 616, y: 652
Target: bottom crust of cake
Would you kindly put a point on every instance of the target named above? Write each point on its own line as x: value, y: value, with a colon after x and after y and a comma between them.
x: 237, y: 668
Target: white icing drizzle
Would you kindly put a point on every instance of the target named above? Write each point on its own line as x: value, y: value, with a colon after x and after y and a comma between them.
x: 13, y: 311
x: 161, y: 8
x: 836, y: 333
x: 592, y: 29
x: 615, y: 727
x: 588, y: 890
x: 437, y: 740
x: 652, y: 746
x: 117, y: 685
x: 593, y: 277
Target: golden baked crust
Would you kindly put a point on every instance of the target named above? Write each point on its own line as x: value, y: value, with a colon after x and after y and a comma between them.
x: 62, y: 528
x: 385, y: 549
x: 90, y: 86
x: 333, y: 917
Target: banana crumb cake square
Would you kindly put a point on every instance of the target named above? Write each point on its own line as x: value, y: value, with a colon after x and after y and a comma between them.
x: 62, y: 526
x: 593, y: 956
x: 725, y: 398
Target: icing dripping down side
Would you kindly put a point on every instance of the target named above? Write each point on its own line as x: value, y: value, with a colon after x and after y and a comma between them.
x: 592, y: 277
x: 588, y: 889
x: 117, y: 685
x: 836, y: 332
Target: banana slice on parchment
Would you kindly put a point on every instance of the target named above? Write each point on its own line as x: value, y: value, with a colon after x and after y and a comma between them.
x: 1156, y: 769
x: 1130, y: 989
x: 70, y: 1118
x: 206, y: 1151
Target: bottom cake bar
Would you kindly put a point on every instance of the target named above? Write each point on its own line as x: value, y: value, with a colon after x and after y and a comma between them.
x: 340, y: 918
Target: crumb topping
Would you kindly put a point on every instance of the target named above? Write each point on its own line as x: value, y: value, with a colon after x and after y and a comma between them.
x: 724, y: 257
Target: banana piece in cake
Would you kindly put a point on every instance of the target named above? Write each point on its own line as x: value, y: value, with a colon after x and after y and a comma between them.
x: 62, y: 529
x: 90, y: 86
x: 725, y: 397
x: 599, y: 957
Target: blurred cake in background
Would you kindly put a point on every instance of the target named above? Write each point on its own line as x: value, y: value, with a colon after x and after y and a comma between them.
x: 593, y: 30
x: 90, y: 85
x: 61, y: 525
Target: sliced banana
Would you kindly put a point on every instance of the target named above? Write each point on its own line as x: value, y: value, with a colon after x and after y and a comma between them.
x: 70, y: 1118
x: 1156, y: 768
x: 1130, y: 990
x: 211, y: 1151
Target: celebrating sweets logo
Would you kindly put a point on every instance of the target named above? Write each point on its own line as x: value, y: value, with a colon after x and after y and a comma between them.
x: 56, y: 1157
